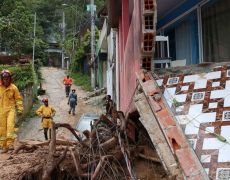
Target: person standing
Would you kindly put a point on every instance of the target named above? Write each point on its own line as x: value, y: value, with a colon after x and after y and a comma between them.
x: 108, y: 105
x: 68, y: 83
x: 46, y: 112
x: 72, y: 101
x: 10, y: 100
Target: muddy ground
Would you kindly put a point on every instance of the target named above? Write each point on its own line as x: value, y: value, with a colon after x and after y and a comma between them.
x: 15, y: 166
x: 53, y: 84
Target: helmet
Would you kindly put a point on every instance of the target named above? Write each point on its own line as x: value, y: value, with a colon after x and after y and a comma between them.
x: 45, y: 100
x: 5, y: 73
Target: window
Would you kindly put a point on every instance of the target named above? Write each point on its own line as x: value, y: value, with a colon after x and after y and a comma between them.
x: 183, y: 39
x: 215, y: 31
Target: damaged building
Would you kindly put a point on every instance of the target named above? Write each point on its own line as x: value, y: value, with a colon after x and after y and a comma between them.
x: 181, y: 96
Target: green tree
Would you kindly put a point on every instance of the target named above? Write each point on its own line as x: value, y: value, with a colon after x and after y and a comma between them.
x: 16, y: 29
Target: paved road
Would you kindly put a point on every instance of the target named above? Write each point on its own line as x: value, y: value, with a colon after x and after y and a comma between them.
x: 55, y: 92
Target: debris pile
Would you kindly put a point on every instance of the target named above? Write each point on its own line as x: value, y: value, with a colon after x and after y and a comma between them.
x: 105, y: 152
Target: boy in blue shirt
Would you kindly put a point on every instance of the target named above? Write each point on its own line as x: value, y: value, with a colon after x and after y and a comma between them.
x: 72, y: 101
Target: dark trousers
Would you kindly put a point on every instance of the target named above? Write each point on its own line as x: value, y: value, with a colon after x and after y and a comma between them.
x: 67, y: 90
x: 46, y: 133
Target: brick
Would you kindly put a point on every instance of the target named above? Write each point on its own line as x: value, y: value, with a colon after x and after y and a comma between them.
x: 176, y: 138
x: 165, y: 118
x: 149, y: 4
x: 191, y: 168
x: 146, y: 63
x: 148, y: 42
x: 149, y: 22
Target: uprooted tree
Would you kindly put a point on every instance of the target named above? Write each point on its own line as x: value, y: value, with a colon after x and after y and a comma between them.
x: 105, y: 152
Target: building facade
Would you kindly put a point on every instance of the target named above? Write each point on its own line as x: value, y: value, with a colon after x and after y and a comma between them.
x: 197, y: 29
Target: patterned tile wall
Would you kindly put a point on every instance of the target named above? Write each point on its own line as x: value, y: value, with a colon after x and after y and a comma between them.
x: 201, y: 104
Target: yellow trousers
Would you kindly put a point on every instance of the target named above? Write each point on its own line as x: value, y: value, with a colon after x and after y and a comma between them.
x: 7, y: 131
x: 46, y: 123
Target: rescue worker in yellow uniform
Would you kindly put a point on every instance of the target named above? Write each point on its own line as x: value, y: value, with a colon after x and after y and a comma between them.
x: 46, y: 112
x: 10, y: 100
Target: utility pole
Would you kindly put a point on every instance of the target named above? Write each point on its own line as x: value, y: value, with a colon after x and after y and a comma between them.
x: 63, y: 40
x: 34, y: 36
x: 92, y: 44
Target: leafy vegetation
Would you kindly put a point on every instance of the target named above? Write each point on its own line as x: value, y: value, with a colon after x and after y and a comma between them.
x: 23, y: 75
x: 17, y: 23
x: 78, y: 18
x: 81, y: 80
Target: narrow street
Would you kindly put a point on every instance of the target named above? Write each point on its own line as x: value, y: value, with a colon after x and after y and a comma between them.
x: 54, y: 87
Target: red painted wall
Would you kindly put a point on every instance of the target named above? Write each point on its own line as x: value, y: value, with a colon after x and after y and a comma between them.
x: 129, y: 53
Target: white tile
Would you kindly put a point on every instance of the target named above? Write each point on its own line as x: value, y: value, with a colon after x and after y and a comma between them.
x: 213, y: 105
x: 201, y: 83
x: 159, y: 82
x: 219, y: 94
x: 183, y: 119
x: 227, y: 85
x: 190, y: 78
x: 209, y: 130
x: 195, y: 117
x: 213, y: 75
x: 180, y: 108
x: 206, y: 117
x: 180, y: 97
x: 227, y: 101
x: 169, y: 95
x: 206, y: 170
x: 205, y: 158
x: 192, y: 128
x: 184, y: 88
x: 195, y: 110
x: 225, y: 132
x: 224, y: 148
x: 211, y: 143
x: 224, y: 152
x: 215, y: 84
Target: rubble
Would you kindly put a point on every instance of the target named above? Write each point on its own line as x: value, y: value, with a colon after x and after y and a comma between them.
x: 97, y: 92
x: 106, y: 152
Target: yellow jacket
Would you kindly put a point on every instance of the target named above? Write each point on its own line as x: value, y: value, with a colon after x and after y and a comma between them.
x: 10, y: 98
x: 46, y: 112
